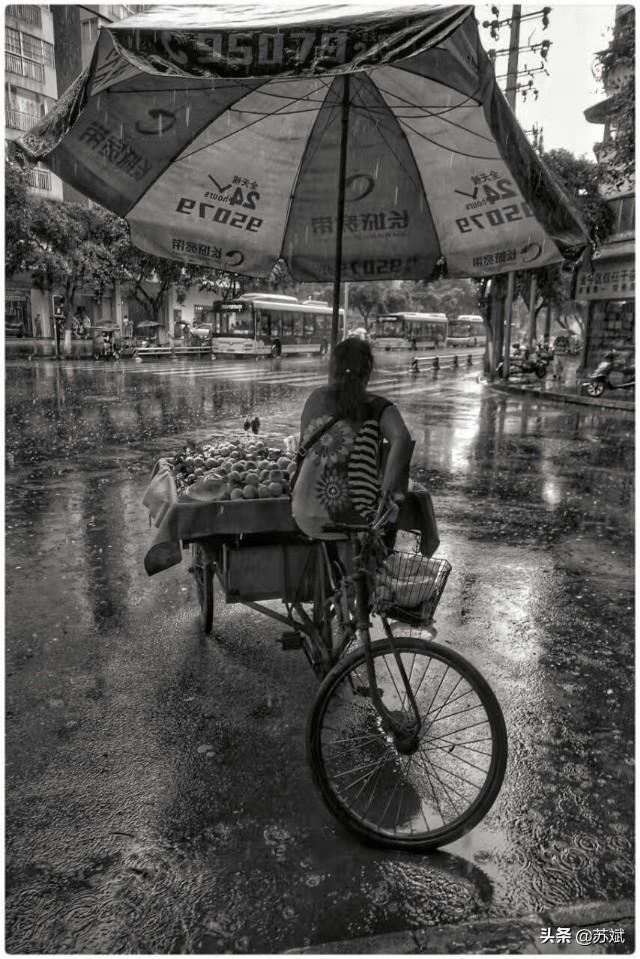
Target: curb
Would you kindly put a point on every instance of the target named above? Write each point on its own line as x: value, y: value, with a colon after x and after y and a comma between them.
x: 554, y: 395
x: 588, y: 928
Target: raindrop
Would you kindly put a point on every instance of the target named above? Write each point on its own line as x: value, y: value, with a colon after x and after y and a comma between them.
x: 187, y: 115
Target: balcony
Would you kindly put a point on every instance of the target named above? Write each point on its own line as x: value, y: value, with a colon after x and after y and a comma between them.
x: 39, y: 179
x: 24, y: 68
x: 18, y: 119
x: 28, y: 13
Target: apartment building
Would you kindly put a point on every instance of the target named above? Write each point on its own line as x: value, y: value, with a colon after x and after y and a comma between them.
x: 46, y: 47
x: 610, y: 289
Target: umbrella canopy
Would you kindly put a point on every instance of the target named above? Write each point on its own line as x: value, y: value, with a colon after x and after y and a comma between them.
x: 372, y: 144
x: 147, y: 325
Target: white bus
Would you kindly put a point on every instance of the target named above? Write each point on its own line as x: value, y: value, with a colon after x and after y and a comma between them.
x: 269, y: 324
x: 404, y: 331
x: 467, y: 330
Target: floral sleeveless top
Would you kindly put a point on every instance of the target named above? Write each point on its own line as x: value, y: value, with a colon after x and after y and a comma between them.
x: 339, y: 480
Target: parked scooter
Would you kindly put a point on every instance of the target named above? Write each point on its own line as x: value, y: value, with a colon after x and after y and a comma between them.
x: 526, y: 362
x: 608, y: 376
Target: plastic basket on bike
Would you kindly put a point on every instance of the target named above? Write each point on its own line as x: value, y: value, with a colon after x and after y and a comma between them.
x: 409, y: 586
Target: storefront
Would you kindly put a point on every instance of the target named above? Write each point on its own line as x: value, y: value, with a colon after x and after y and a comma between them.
x: 610, y: 294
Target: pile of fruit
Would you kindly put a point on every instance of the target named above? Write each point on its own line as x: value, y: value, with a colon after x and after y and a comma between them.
x: 234, y: 470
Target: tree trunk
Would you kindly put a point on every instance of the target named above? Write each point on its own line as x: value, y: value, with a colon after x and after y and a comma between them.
x: 495, y: 323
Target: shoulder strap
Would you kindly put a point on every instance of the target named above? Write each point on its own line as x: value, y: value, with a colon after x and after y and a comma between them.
x: 304, y: 448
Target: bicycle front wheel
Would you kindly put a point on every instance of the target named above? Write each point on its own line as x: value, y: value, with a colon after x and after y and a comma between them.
x: 440, y: 790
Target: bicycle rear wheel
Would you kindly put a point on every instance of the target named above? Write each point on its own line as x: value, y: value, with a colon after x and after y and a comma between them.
x: 426, y: 798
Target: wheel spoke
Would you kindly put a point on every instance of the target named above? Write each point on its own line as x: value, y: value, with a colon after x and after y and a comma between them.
x: 424, y: 798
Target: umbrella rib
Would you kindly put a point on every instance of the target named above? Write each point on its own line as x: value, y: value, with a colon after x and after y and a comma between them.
x: 429, y: 112
x: 449, y: 149
x: 307, y: 156
x: 242, y: 128
x: 418, y: 185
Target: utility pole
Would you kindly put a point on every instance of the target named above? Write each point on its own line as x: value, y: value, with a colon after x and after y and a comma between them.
x: 511, y: 89
x: 511, y: 93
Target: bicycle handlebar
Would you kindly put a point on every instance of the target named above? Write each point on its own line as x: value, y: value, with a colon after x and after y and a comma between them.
x: 387, y: 514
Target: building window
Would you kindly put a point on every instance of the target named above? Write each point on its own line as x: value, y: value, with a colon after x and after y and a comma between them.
x: 27, y: 55
x: 90, y: 29
x: 29, y: 13
x: 624, y: 212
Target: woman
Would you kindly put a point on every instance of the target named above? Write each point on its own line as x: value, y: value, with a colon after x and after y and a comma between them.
x: 342, y: 429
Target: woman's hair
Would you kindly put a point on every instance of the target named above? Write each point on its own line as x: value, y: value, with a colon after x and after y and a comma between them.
x: 351, y: 367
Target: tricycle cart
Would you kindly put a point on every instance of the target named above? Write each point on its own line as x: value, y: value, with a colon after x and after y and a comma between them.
x: 405, y: 739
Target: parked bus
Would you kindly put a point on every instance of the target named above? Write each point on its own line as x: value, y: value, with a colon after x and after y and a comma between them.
x: 467, y: 330
x: 268, y: 324
x: 404, y: 331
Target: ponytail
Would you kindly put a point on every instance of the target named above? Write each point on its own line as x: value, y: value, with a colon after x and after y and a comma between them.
x: 351, y: 367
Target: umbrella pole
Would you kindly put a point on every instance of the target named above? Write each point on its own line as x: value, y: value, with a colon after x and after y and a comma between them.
x: 337, y: 270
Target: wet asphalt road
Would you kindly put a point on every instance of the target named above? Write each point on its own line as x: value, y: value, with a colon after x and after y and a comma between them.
x: 125, y: 835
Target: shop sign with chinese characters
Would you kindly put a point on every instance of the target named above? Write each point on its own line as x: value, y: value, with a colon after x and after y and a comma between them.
x: 610, y: 280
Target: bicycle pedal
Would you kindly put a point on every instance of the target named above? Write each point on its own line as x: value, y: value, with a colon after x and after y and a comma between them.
x: 291, y: 640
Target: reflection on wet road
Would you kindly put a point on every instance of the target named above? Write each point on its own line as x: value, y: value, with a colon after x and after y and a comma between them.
x: 158, y: 798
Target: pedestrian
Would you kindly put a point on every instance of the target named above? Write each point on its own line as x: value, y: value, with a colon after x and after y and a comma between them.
x: 341, y: 478
x: 37, y: 325
x: 82, y: 322
x: 558, y: 369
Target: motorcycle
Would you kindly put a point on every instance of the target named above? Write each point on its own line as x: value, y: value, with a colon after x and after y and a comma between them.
x: 608, y: 376
x: 521, y: 364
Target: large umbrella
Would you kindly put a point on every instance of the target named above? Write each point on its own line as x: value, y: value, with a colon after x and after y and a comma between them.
x: 343, y: 143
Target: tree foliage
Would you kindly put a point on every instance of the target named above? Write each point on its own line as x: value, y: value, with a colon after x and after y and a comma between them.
x: 580, y: 178
x: 452, y: 297
x: 616, y: 66
x: 73, y: 247
x: 17, y: 217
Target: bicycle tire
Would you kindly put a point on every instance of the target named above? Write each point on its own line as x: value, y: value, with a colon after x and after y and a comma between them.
x: 345, y: 739
x: 203, y: 575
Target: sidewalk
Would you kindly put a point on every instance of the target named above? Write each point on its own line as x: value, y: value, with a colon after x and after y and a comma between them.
x: 568, y: 391
x: 548, y: 390
x: 594, y: 928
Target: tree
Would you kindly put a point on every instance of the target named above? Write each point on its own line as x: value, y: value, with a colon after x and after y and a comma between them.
x: 70, y: 247
x: 452, y: 297
x: 616, y: 66
x: 149, y: 278
x: 17, y: 217
x: 580, y: 178
x: 366, y: 297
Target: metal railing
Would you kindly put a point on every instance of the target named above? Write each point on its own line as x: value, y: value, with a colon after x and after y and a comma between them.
x: 24, y: 68
x: 18, y: 119
x: 39, y: 179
